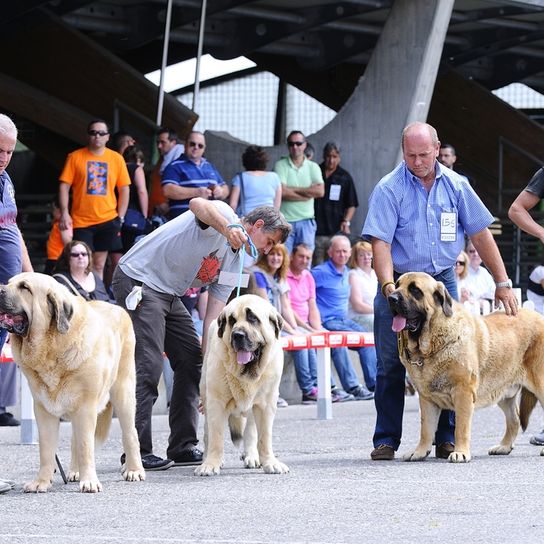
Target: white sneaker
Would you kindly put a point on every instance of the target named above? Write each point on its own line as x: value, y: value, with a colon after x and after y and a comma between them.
x: 282, y: 403
x: 538, y: 439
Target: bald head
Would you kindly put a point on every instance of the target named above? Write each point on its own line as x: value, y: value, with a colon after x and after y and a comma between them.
x: 420, y: 147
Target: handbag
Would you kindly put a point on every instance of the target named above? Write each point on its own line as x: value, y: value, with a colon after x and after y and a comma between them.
x: 134, y: 220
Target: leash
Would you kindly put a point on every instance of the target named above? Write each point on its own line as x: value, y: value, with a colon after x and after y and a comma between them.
x: 61, y: 470
x: 241, y: 251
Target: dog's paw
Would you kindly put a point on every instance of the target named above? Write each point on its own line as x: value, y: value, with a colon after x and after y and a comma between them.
x: 72, y: 476
x: 137, y: 475
x: 275, y: 467
x: 208, y: 469
x: 92, y: 485
x: 37, y: 486
x: 500, y: 450
x: 417, y: 455
x: 251, y: 461
x: 459, y: 457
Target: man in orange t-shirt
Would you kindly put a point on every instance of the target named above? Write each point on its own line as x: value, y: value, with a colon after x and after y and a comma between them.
x: 93, y: 173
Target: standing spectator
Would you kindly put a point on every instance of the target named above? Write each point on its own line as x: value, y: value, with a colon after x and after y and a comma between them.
x: 332, y: 292
x: 417, y: 220
x: 57, y: 239
x: 138, y: 198
x: 302, y: 182
x: 93, y: 173
x: 74, y: 270
x: 190, y: 176
x: 535, y: 288
x: 333, y: 212
x: 479, y: 284
x: 256, y: 186
x: 170, y: 148
x: 363, y: 285
x: 120, y: 140
x: 520, y: 216
x: 309, y: 152
x: 448, y: 158
x: 13, y: 259
x: 189, y: 251
x: 303, y: 301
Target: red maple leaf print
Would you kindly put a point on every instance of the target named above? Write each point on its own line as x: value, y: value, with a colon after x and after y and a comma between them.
x: 209, y: 269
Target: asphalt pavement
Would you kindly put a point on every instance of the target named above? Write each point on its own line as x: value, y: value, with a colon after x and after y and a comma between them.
x: 334, y: 493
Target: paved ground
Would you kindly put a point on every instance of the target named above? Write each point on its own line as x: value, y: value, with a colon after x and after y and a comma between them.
x: 333, y: 494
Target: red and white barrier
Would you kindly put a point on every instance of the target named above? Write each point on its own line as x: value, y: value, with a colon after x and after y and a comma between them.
x: 322, y: 342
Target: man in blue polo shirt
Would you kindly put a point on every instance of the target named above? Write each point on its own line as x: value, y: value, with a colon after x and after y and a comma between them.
x: 191, y: 175
x: 332, y: 295
x: 417, y: 219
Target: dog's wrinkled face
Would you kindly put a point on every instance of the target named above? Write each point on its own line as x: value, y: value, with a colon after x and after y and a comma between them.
x: 32, y: 301
x: 416, y: 300
x: 248, y: 324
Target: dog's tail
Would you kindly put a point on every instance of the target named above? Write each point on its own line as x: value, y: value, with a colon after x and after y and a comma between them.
x: 527, y: 402
x: 237, y: 425
x: 103, y: 424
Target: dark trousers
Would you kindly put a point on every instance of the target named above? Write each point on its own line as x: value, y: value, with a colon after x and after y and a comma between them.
x: 162, y: 323
x: 390, y: 379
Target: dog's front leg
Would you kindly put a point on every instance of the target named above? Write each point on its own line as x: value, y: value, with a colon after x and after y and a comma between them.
x: 48, y: 435
x: 430, y: 413
x: 251, y: 453
x: 83, y: 427
x: 264, y: 419
x: 216, y: 420
x: 463, y: 404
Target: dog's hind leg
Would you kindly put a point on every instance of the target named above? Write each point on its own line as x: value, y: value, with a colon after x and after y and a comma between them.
x: 510, y: 408
x: 48, y: 433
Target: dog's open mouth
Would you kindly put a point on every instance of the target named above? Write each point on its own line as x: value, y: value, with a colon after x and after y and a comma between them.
x: 401, y: 323
x: 17, y: 324
x: 244, y: 357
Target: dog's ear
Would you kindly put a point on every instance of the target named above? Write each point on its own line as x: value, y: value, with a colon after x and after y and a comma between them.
x: 222, y: 323
x: 276, y: 320
x: 61, y: 312
x: 443, y: 299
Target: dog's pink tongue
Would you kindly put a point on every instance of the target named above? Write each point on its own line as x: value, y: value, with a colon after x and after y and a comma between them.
x: 243, y: 357
x: 399, y: 323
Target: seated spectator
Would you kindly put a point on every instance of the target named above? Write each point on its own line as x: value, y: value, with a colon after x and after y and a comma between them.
x: 256, y: 186
x: 57, y: 239
x: 461, y: 273
x: 363, y: 286
x: 74, y: 270
x: 479, y: 282
x: 302, y: 297
x: 535, y: 290
x: 270, y: 273
x: 332, y: 295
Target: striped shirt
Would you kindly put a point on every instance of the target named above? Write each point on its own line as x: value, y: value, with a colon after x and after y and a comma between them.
x: 414, y: 222
x: 185, y: 173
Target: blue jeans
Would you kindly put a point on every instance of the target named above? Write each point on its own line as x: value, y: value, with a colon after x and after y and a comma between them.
x: 390, y: 381
x: 305, y: 361
x: 367, y: 356
x: 303, y: 231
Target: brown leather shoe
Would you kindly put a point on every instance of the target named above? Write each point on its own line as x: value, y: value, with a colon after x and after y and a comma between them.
x: 382, y: 452
x: 442, y: 451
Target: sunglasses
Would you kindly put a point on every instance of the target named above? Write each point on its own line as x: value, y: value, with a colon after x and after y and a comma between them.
x: 97, y: 133
x: 81, y: 254
x: 195, y: 144
x: 460, y: 263
x: 292, y: 144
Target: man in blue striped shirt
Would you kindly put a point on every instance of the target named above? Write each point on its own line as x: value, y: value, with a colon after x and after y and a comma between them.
x: 191, y: 175
x: 417, y: 220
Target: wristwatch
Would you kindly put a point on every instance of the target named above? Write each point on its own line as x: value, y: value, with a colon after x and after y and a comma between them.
x: 348, y: 223
x: 507, y: 283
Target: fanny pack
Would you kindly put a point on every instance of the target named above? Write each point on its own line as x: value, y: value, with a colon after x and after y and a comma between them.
x: 535, y: 288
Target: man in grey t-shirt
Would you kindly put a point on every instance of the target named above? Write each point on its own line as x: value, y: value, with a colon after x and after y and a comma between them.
x: 191, y: 250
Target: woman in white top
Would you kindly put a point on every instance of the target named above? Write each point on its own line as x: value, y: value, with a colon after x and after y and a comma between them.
x: 479, y: 282
x: 461, y: 273
x: 535, y: 288
x: 363, y: 285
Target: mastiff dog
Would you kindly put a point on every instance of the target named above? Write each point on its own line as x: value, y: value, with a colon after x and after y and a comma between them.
x: 240, y: 383
x: 459, y: 361
x: 78, y: 358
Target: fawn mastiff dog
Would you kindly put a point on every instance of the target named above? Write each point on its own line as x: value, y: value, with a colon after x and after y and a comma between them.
x: 459, y: 361
x: 78, y: 358
x: 240, y: 383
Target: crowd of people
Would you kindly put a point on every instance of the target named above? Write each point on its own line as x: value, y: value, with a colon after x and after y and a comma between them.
x: 164, y: 248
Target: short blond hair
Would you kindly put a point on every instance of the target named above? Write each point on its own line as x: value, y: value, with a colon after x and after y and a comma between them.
x: 361, y: 245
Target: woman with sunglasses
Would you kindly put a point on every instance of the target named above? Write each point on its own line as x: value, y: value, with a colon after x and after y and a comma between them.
x: 74, y: 270
x: 461, y: 273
